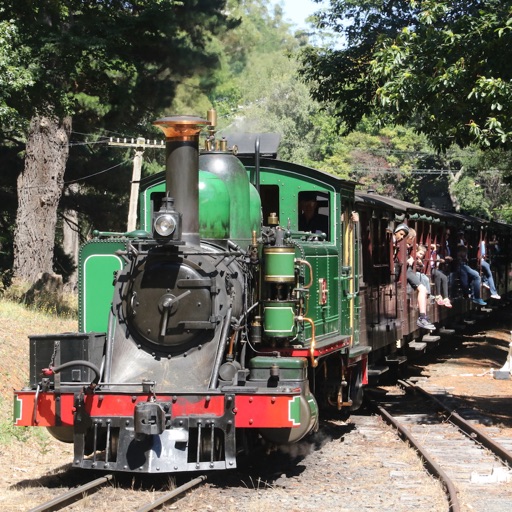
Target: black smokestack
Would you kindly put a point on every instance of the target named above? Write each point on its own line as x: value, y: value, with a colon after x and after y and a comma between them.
x: 182, y: 169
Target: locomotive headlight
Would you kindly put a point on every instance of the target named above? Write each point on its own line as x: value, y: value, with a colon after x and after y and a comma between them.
x: 165, y: 224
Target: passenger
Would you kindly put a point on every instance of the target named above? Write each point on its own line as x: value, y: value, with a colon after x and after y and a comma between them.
x: 309, y: 219
x: 487, y: 279
x: 403, y: 231
x: 440, y: 278
x: 448, y: 265
x: 421, y: 267
x: 468, y: 276
x: 493, y: 254
x: 494, y: 245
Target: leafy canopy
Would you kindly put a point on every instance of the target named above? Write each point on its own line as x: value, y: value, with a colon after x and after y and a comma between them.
x: 113, y: 61
x: 15, y: 72
x: 440, y: 66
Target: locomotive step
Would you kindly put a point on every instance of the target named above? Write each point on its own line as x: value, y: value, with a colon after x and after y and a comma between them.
x: 428, y: 338
x: 377, y: 371
x: 417, y: 346
x: 396, y: 359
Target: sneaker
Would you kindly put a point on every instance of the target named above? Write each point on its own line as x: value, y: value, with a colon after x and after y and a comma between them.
x: 496, y: 296
x: 440, y: 300
x: 447, y: 303
x: 486, y: 286
x: 480, y: 302
x: 424, y: 323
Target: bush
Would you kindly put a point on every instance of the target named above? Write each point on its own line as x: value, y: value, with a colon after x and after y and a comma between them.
x: 46, y: 295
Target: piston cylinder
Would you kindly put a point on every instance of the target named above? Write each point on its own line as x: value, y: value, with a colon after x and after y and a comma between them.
x: 279, y: 319
x: 279, y: 264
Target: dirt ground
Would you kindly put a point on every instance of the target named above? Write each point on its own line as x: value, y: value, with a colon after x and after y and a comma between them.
x: 468, y: 366
x: 464, y: 367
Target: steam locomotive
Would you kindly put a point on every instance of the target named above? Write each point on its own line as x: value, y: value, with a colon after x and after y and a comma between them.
x: 219, y: 323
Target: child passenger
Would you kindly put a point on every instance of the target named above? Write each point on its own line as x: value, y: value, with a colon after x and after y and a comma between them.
x: 421, y: 267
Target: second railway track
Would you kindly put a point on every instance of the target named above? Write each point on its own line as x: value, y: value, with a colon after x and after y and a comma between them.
x: 474, y: 468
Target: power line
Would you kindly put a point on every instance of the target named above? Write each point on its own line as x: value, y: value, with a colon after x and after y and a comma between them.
x: 96, y: 173
x: 396, y: 170
x: 88, y: 143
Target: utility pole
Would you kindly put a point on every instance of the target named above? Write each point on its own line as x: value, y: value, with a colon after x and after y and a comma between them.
x: 134, y: 192
x: 139, y: 145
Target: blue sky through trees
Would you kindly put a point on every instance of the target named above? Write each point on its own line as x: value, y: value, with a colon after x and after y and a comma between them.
x: 297, y: 11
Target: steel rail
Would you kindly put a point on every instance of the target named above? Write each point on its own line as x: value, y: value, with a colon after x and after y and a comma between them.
x: 431, y: 465
x: 66, y: 498
x: 172, y: 494
x: 471, y: 431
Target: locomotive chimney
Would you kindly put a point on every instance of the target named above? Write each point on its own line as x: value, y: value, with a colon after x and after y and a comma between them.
x: 182, y: 169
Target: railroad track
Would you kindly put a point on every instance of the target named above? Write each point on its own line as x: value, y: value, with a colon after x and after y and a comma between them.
x: 473, y: 467
x: 79, y: 493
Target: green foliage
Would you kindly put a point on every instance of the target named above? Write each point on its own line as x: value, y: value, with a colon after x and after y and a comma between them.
x: 260, y: 33
x: 384, y: 160
x: 10, y: 433
x: 109, y: 65
x: 471, y: 198
x: 111, y: 60
x: 489, y: 170
x: 120, y: 65
x: 276, y: 101
x: 106, y: 64
x: 258, y: 88
x: 450, y: 75
x: 16, y: 73
x: 340, y: 75
x: 442, y: 67
x: 45, y: 296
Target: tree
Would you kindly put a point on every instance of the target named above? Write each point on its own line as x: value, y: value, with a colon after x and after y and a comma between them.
x: 114, y: 63
x: 261, y: 90
x: 482, y: 187
x: 440, y: 66
x: 276, y: 101
x: 470, y: 198
x: 15, y: 76
x: 389, y: 160
x: 40, y: 186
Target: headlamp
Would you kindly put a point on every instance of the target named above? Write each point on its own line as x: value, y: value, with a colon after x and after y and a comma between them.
x: 165, y: 224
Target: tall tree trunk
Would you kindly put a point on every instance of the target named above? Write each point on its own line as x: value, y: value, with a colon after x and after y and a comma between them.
x: 40, y: 188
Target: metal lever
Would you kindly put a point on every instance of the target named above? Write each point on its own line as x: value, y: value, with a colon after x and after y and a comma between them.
x: 167, y: 304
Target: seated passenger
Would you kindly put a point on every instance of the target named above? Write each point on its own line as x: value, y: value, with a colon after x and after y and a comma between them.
x: 440, y: 278
x: 403, y: 231
x: 487, y: 277
x: 468, y: 276
x: 309, y: 218
x: 421, y: 267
